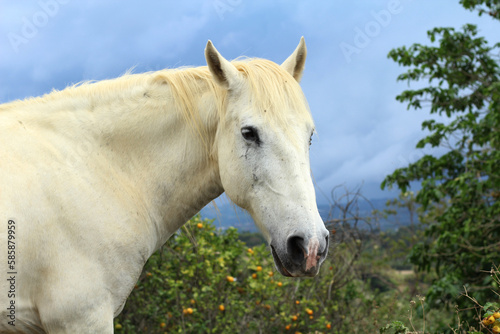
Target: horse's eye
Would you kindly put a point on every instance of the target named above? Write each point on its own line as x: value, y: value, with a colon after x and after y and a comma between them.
x: 250, y: 134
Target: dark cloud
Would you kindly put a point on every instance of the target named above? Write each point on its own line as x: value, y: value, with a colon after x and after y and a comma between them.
x: 363, y: 133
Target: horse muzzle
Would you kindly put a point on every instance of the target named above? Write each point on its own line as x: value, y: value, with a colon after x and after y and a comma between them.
x: 301, y: 256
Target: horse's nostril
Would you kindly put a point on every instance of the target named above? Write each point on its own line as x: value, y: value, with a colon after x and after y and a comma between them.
x: 296, y: 249
x: 325, y: 250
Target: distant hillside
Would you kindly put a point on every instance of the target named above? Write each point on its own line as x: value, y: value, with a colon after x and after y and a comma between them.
x: 228, y: 215
x: 231, y: 215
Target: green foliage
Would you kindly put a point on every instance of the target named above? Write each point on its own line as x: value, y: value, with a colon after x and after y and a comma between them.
x: 489, y: 7
x: 487, y: 320
x: 461, y: 188
x: 207, y: 281
x: 490, y: 308
x: 252, y: 239
x: 183, y: 286
x: 395, y: 327
x: 396, y: 243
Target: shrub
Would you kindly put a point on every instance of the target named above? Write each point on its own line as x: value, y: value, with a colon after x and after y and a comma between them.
x: 208, y: 281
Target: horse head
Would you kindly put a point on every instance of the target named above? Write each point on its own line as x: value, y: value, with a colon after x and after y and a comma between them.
x: 262, y: 149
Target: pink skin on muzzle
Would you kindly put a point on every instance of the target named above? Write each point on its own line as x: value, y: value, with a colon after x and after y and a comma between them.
x: 312, y: 254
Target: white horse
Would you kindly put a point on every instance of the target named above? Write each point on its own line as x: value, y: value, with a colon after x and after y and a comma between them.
x: 96, y: 177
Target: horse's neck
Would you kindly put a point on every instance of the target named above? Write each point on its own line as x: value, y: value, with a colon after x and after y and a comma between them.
x: 152, y: 150
x: 164, y: 156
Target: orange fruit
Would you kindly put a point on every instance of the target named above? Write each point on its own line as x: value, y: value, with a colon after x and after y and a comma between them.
x: 328, y: 326
x: 254, y: 275
x: 271, y: 274
x: 199, y: 225
x: 163, y: 324
x: 288, y: 327
x: 280, y: 284
x: 294, y: 318
x: 297, y: 302
x: 259, y: 268
x: 230, y: 278
x: 188, y: 310
x: 489, y: 320
x: 221, y: 308
x: 309, y: 311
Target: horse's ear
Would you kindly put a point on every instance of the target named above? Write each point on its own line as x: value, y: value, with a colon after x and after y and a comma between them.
x: 224, y: 73
x: 295, y: 63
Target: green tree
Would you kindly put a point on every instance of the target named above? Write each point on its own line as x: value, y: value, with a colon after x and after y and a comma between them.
x: 459, y: 189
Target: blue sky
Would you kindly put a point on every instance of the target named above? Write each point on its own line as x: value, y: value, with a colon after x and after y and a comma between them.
x: 363, y: 133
